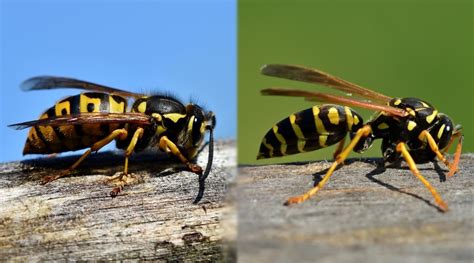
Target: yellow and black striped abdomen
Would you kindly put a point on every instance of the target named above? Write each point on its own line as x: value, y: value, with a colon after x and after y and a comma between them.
x: 309, y: 130
x: 49, y: 139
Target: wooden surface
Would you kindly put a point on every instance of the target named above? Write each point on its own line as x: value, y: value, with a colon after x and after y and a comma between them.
x: 153, y: 218
x: 363, y: 214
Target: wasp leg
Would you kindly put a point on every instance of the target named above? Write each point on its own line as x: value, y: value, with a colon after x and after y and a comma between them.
x: 167, y: 145
x: 455, y: 135
x: 120, y: 133
x: 364, y: 131
x: 457, y: 155
x: 435, y: 149
x: 133, y: 142
x: 406, y: 155
x: 339, y: 148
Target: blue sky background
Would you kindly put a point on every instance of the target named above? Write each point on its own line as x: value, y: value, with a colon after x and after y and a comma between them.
x: 186, y: 47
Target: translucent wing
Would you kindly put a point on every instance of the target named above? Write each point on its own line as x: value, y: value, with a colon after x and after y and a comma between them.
x: 87, y: 118
x: 310, y: 75
x: 322, y: 97
x: 50, y: 82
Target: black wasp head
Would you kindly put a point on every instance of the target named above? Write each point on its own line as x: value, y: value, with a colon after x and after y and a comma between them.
x: 199, y: 123
x: 364, y: 143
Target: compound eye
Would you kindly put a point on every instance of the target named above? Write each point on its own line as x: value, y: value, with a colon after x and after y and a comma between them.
x: 196, y: 132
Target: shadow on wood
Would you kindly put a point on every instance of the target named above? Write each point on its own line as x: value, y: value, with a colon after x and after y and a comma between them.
x: 153, y: 218
x: 363, y: 214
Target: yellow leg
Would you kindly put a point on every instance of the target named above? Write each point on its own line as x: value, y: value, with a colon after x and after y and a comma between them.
x: 339, y: 148
x: 120, y: 133
x: 434, y: 147
x: 457, y: 156
x: 137, y: 135
x: 439, y: 201
x: 364, y: 131
x: 133, y: 142
x: 167, y: 145
x: 456, y: 134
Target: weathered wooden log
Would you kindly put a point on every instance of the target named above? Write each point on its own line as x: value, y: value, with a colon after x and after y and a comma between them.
x: 363, y: 214
x: 153, y: 218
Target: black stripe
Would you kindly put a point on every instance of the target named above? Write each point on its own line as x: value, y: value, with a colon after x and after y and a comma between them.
x: 264, y: 151
x: 119, y: 100
x: 43, y: 139
x: 335, y: 138
x: 57, y: 132
x: 273, y: 141
x: 312, y: 145
x: 33, y: 147
x: 78, y: 130
x: 105, y: 129
x: 324, y: 116
x: 286, y: 130
x: 305, y: 120
x: 75, y: 104
x: 103, y: 97
x: 292, y: 149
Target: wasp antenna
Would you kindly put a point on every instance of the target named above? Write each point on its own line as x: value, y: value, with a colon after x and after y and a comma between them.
x: 202, y: 178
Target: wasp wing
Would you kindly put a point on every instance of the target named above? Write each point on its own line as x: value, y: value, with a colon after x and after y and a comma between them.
x: 322, y: 97
x: 300, y: 73
x: 51, y: 82
x: 87, y: 118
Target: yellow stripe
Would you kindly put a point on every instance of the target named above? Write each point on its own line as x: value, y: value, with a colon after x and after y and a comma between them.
x: 142, y: 107
x: 424, y: 104
x: 410, y: 111
x: 300, y: 145
x: 411, y: 125
x: 175, y: 117
x: 382, y: 126
x: 115, y: 106
x: 356, y: 120
x: 441, y: 130
x: 333, y: 116
x: 281, y: 139
x: 157, y: 116
x: 190, y: 124
x: 322, y: 140
x: 349, y: 118
x: 160, y: 129
x: 84, y: 101
x: 295, y: 127
x: 430, y: 118
x: 397, y: 102
x: 65, y: 105
x: 269, y: 146
x: 319, y: 124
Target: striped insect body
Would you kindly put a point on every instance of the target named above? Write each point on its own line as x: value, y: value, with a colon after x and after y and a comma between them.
x: 101, y: 115
x: 310, y: 129
x: 410, y: 129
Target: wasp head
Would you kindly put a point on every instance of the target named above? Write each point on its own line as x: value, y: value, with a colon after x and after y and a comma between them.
x: 198, y: 123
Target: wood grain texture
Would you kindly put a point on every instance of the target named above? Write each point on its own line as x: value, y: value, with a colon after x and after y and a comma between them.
x: 153, y: 218
x: 363, y: 214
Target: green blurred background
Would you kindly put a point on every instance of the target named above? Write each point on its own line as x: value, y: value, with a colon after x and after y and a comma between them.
x: 420, y: 49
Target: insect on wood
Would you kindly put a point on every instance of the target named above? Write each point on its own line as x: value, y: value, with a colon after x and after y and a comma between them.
x: 100, y: 115
x: 411, y: 129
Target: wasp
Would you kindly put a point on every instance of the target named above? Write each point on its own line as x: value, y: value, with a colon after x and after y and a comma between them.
x: 411, y: 129
x: 101, y: 114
